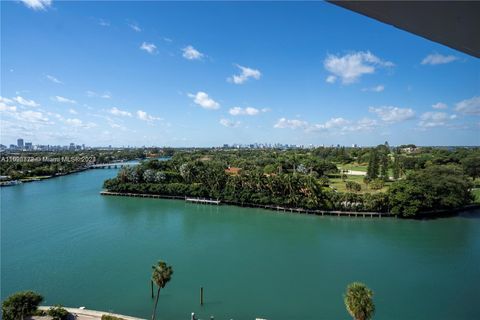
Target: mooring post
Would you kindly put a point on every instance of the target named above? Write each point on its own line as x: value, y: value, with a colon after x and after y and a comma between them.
x: 201, y: 296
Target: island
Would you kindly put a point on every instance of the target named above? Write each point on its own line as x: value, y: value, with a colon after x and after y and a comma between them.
x: 404, y: 181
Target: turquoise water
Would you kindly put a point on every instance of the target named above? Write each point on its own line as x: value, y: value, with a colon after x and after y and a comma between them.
x: 62, y: 239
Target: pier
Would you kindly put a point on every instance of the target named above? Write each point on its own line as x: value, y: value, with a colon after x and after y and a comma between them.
x: 202, y: 201
x: 117, y: 165
x: 140, y: 195
x: 337, y: 213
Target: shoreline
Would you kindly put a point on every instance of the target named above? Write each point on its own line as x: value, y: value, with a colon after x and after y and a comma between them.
x: 267, y: 207
x: 55, y: 175
x: 37, y: 179
x: 89, y: 314
x: 318, y: 212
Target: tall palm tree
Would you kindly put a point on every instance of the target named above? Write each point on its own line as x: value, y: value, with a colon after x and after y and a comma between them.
x: 161, y: 275
x: 359, y: 301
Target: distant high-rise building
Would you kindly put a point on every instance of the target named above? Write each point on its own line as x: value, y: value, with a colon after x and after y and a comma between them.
x: 72, y: 146
x: 20, y: 143
x: 28, y: 146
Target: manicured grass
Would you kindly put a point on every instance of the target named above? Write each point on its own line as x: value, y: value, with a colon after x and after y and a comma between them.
x: 359, y: 167
x: 337, y: 183
x: 353, y: 166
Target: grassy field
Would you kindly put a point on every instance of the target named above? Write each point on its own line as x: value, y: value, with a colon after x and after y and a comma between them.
x: 337, y: 183
x: 359, y: 167
x: 353, y: 166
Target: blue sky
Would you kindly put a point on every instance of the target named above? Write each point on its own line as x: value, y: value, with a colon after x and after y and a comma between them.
x: 209, y: 73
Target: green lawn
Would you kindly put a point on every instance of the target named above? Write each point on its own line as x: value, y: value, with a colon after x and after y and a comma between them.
x: 353, y: 166
x: 359, y: 167
x: 337, y: 183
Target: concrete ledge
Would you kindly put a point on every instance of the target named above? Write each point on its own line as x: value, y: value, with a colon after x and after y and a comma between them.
x: 85, y: 314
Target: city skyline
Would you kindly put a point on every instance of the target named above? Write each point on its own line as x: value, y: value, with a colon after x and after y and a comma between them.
x: 193, y: 74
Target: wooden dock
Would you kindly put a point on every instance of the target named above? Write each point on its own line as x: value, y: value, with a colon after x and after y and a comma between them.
x: 202, y: 201
x: 337, y: 213
x: 140, y: 195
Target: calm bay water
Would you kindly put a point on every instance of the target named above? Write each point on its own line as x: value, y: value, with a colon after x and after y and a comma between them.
x: 61, y: 238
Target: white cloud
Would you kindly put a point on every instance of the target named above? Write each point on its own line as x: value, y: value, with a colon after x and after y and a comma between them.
x: 229, y: 123
x: 135, y: 27
x: 37, y: 4
x: 25, y: 102
x: 365, y: 124
x: 378, y: 88
x: 77, y: 123
x: 92, y: 94
x: 335, y: 125
x: 283, y: 123
x: 392, y: 114
x: 32, y: 117
x: 56, y: 115
x: 115, y: 125
x: 72, y: 111
x: 331, y: 79
x: 190, y: 53
x: 203, y: 100
x: 149, y: 47
x: 436, y: 58
x: 63, y: 100
x: 330, y: 124
x: 439, y: 106
x: 336, y: 122
x: 248, y: 111
x: 104, y: 23
x: 342, y: 126
x: 434, y: 119
x: 7, y: 108
x: 53, y: 79
x: 246, y: 74
x: 142, y: 115
x: 469, y: 106
x: 352, y: 66
x: 117, y: 112
x: 4, y: 100
x: 74, y: 122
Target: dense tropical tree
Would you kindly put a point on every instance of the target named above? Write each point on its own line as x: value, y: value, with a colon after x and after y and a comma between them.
x: 20, y: 305
x: 161, y: 275
x: 396, y: 167
x: 434, y: 188
x: 353, y: 186
x: 359, y: 301
x: 384, y: 166
x: 373, y: 164
x: 471, y: 165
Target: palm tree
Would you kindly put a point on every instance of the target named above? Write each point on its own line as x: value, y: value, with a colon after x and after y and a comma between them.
x: 161, y: 275
x: 359, y: 302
